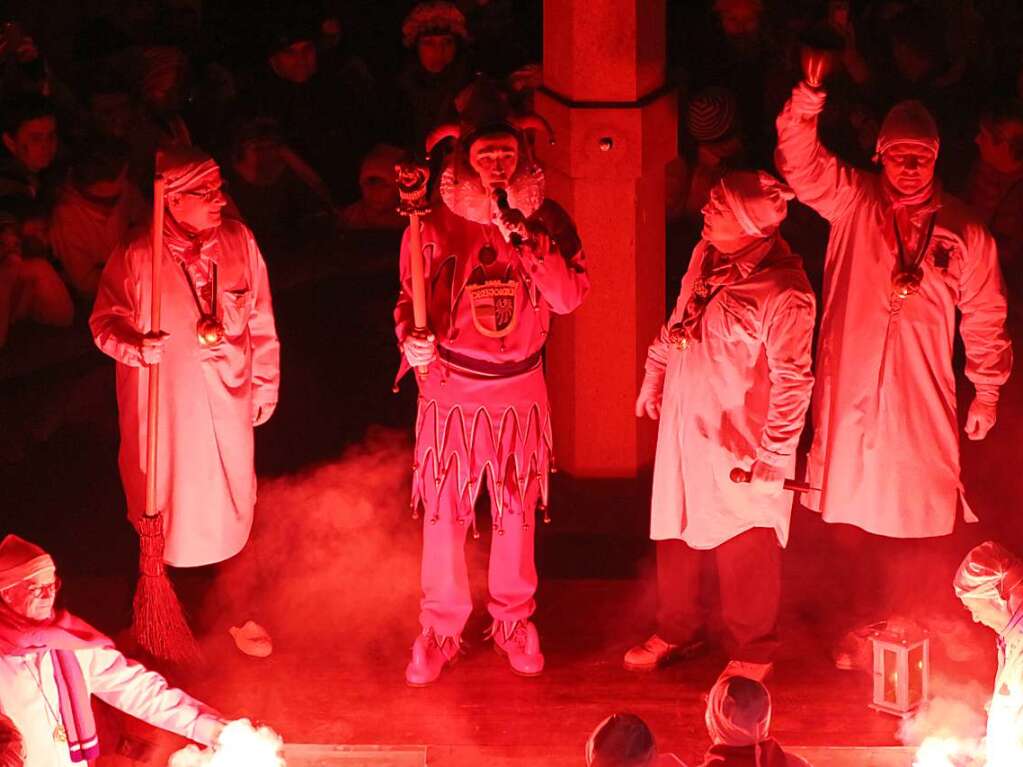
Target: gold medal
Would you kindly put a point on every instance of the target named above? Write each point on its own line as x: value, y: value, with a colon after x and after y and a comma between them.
x: 60, y: 734
x: 677, y: 337
x: 907, y: 282
x: 209, y: 330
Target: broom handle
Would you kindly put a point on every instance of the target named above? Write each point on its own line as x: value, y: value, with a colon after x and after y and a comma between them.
x: 418, y: 279
x: 153, y: 409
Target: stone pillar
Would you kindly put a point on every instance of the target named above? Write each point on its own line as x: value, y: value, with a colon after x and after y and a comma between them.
x: 615, y: 125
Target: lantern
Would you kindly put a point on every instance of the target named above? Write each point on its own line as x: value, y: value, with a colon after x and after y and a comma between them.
x: 901, y: 669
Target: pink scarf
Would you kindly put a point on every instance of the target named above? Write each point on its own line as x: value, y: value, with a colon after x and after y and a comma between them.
x: 60, y: 636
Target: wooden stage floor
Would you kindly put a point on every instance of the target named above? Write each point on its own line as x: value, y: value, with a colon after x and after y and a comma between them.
x: 350, y: 690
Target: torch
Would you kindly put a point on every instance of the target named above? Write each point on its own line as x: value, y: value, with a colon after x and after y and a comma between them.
x: 412, y: 181
x: 159, y: 625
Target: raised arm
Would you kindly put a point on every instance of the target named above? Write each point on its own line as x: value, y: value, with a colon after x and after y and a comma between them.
x: 817, y: 176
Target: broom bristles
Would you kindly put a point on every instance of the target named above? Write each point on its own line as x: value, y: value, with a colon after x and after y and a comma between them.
x: 159, y: 624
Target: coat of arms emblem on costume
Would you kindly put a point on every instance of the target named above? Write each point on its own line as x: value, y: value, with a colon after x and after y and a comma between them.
x: 494, y: 306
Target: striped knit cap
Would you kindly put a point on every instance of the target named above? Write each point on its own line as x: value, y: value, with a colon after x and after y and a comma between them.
x: 711, y: 115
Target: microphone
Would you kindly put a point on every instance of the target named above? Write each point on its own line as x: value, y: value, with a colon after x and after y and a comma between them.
x: 501, y: 198
x: 741, y: 476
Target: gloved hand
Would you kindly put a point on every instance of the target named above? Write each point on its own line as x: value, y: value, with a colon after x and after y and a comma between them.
x: 151, y: 348
x: 262, y: 412
x: 420, y: 349
x: 766, y: 481
x: 982, y: 416
x: 808, y: 101
x: 648, y: 402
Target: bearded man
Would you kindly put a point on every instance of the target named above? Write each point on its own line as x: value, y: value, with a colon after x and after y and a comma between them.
x: 219, y: 364
x: 499, y: 261
x: 903, y: 258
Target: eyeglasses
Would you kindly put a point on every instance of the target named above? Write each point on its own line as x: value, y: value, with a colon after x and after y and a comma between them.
x: 43, y: 590
x: 207, y: 195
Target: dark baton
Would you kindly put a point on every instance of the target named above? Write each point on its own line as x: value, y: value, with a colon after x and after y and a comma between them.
x: 741, y: 476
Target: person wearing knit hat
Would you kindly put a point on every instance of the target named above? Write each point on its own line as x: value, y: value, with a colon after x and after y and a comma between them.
x: 218, y: 354
x: 728, y: 378
x: 738, y: 718
x: 989, y: 582
x: 52, y: 661
x: 438, y: 67
x: 904, y: 258
x: 433, y: 18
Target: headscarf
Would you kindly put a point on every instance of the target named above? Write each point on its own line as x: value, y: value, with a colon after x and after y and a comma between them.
x: 908, y: 122
x: 757, y: 199
x: 185, y: 167
x: 989, y: 572
x: 738, y: 712
x: 20, y: 560
x: 60, y: 636
x: 621, y: 740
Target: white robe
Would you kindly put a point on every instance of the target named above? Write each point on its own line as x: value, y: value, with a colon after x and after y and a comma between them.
x: 206, y: 479
x: 737, y: 395
x: 1005, y: 716
x: 886, y: 448
x: 109, y: 676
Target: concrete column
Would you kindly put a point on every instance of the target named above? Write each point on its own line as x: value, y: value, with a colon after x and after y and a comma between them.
x: 615, y: 124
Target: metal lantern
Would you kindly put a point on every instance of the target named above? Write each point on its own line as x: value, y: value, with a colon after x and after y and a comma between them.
x: 901, y: 670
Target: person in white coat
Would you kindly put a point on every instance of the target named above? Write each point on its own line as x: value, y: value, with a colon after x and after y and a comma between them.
x: 729, y: 377
x: 903, y: 258
x: 51, y: 662
x: 219, y: 362
x: 990, y: 584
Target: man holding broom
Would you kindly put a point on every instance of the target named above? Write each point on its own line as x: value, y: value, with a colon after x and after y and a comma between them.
x: 479, y: 285
x: 216, y: 357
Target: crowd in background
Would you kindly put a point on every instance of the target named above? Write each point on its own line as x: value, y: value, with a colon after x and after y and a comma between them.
x: 307, y: 106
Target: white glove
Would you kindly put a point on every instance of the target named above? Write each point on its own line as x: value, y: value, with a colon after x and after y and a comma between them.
x: 766, y: 481
x: 420, y: 350
x: 651, y: 393
x: 151, y: 348
x: 807, y: 101
x: 980, y: 419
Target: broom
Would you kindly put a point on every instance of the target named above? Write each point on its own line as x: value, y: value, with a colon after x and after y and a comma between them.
x: 159, y: 624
